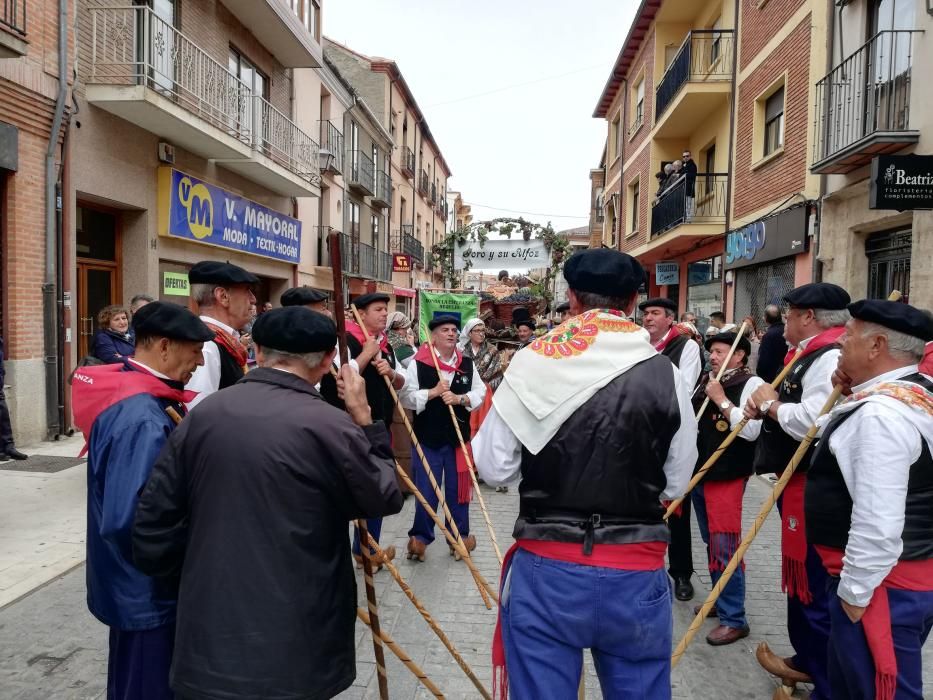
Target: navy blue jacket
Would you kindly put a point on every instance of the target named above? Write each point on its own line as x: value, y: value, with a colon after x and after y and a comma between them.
x: 125, y: 440
x: 771, y: 352
x: 112, y: 347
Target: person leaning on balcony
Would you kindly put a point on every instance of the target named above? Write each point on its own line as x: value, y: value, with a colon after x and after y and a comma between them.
x: 690, y: 173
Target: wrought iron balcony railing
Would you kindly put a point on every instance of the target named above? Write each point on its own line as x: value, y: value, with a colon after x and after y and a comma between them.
x: 408, y: 162
x: 432, y: 195
x: 362, y: 172
x: 383, y: 191
x: 865, y: 96
x: 13, y: 16
x: 281, y: 139
x: 332, y: 143
x: 383, y: 266
x: 347, y: 254
x: 675, y: 207
x: 411, y: 245
x: 705, y: 56
x: 367, y: 258
x: 424, y: 184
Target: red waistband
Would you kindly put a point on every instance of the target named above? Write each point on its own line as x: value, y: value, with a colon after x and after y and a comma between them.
x: 906, y: 575
x: 639, y: 556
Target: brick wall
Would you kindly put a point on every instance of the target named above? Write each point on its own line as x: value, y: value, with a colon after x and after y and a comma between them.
x: 758, y: 25
x: 786, y: 174
x: 639, y: 168
x: 597, y: 180
x: 643, y: 60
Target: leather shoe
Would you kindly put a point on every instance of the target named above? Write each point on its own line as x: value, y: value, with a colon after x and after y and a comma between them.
x: 723, y: 635
x: 13, y: 453
x: 683, y: 589
x: 782, y: 668
x: 713, y: 612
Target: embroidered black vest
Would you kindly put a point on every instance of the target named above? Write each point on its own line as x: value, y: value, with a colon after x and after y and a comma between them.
x: 775, y: 447
x: 433, y: 425
x: 230, y: 369
x: 739, y: 458
x: 829, y: 505
x: 675, y: 348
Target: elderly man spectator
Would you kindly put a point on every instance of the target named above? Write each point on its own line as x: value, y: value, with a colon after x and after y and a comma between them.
x: 773, y: 346
x: 138, y: 302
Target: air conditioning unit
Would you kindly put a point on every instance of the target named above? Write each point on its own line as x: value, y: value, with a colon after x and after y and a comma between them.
x: 166, y: 153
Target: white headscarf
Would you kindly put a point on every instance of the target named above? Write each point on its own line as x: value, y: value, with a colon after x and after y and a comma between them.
x: 465, y: 333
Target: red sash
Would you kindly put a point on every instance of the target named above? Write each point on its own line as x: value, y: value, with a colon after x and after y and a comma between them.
x: 724, y: 516
x: 794, y: 580
x: 230, y: 344
x: 907, y: 576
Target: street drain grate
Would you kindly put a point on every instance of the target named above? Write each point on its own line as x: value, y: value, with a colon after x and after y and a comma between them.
x: 41, y: 464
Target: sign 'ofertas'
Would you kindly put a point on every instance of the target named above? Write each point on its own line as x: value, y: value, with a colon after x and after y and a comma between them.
x: 198, y: 211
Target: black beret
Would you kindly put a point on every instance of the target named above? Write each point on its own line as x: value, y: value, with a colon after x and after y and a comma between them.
x: 562, y: 307
x: 443, y: 320
x: 520, y: 313
x: 661, y: 302
x: 300, y: 296
x: 818, y: 295
x: 295, y: 329
x: 365, y: 300
x: 215, y: 272
x: 527, y: 322
x: 604, y: 271
x: 728, y: 338
x: 163, y: 320
x: 895, y: 315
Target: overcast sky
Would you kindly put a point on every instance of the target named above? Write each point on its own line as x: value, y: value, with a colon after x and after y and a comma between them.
x: 508, y: 88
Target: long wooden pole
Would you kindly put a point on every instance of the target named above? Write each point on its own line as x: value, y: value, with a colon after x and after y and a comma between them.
x: 406, y: 589
x: 724, y: 365
x: 427, y: 468
x: 402, y: 655
x: 336, y: 263
x: 469, y: 461
x: 730, y: 438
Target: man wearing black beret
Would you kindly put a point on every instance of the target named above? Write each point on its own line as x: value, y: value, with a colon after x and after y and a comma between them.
x: 123, y: 410
x: 223, y: 295
x: 869, y: 505
x: 600, y: 427
x: 563, y: 311
x: 306, y: 296
x: 257, y: 528
x: 676, y: 342
x: 816, y: 319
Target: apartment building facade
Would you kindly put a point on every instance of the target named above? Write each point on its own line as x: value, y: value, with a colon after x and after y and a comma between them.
x: 871, y: 101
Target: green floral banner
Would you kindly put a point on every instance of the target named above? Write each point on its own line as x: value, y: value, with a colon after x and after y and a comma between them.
x: 432, y: 304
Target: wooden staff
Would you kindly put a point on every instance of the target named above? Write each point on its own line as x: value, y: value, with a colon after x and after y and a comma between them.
x: 406, y: 589
x: 725, y: 363
x: 756, y: 526
x: 335, y: 259
x: 427, y: 468
x: 469, y: 461
x: 730, y: 438
x: 402, y: 656
x: 173, y: 414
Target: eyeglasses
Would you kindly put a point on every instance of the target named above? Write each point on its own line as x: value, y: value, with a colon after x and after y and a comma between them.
x: 478, y: 330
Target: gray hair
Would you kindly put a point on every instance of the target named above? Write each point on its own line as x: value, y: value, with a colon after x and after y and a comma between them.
x: 203, y: 293
x: 899, y: 344
x: 830, y: 318
x: 589, y: 300
x: 279, y: 357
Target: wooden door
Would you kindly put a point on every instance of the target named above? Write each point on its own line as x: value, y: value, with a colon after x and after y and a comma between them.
x: 97, y: 288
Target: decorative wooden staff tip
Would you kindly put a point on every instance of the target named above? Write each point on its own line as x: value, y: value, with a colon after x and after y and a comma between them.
x: 461, y: 548
x: 469, y: 460
x: 725, y: 363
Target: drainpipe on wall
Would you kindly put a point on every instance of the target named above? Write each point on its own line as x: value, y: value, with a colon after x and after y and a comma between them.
x: 51, y: 314
x: 730, y: 165
x: 816, y: 269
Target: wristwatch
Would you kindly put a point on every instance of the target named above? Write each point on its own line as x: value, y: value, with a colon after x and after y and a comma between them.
x: 725, y: 404
x: 462, y: 400
x: 765, y: 407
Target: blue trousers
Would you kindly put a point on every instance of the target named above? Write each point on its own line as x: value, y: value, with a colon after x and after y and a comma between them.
x: 731, y: 602
x: 552, y: 610
x: 443, y: 463
x: 139, y: 664
x: 851, y: 668
x: 808, y: 626
x: 374, y: 525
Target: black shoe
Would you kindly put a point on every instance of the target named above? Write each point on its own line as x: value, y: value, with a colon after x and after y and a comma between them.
x: 13, y: 453
x: 683, y: 589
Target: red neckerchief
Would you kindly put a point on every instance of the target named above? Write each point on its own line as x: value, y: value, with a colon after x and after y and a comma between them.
x: 907, y: 576
x: 354, y: 329
x: 671, y: 334
x: 827, y: 337
x: 95, y: 389
x: 230, y: 344
x: 424, y: 357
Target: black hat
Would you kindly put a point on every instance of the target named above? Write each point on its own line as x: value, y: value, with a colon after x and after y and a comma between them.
x: 300, y: 296
x: 164, y: 320
x: 604, y: 271
x: 818, y: 295
x: 895, y: 315
x: 295, y: 329
x: 728, y: 338
x: 520, y: 313
x: 563, y: 307
x: 526, y: 322
x: 361, y: 302
x: 443, y: 320
x: 222, y: 273
x: 661, y: 302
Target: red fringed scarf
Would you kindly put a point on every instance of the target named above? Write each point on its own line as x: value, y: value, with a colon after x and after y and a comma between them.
x: 724, y: 516
x: 794, y: 580
x: 671, y: 334
x: 906, y: 575
x: 230, y: 344
x: 354, y: 329
x: 464, y: 480
x: 827, y: 337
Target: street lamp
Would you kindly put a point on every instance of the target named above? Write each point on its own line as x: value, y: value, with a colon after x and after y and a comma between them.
x: 328, y: 161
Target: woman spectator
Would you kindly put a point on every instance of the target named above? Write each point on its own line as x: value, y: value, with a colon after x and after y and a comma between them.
x: 113, y: 341
x: 751, y: 332
x: 401, y: 338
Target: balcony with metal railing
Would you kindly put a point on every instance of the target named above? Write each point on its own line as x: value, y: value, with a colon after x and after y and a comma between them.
x: 347, y: 256
x: 432, y: 194
x: 863, y: 105
x: 331, y: 148
x: 424, y: 184
x: 697, y: 82
x: 408, y: 162
x: 382, y: 197
x: 383, y: 266
x: 12, y: 28
x: 410, y: 245
x: 361, y: 175
x: 145, y: 71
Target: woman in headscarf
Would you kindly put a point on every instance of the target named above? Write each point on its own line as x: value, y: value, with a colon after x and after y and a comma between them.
x: 398, y: 330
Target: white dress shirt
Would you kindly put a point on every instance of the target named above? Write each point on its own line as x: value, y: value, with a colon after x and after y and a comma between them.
x: 497, y: 453
x: 874, y: 449
x: 149, y: 369
x: 411, y: 396
x: 690, y: 364
x: 797, y: 418
x: 206, y: 378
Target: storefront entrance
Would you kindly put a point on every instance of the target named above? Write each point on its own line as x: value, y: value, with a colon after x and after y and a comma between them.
x: 97, y: 247
x: 757, y: 287
x: 889, y: 263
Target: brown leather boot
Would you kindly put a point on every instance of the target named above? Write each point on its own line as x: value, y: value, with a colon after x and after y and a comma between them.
x: 416, y: 549
x: 782, y: 668
x: 469, y: 542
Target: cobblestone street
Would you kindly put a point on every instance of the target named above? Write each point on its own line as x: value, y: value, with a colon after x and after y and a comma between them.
x: 52, y: 649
